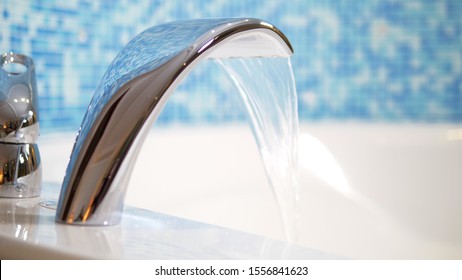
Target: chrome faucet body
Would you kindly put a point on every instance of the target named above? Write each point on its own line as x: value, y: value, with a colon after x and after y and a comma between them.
x: 20, y: 166
x: 131, y: 95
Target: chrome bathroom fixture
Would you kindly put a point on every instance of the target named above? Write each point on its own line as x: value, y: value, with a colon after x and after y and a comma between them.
x: 20, y: 167
x: 131, y: 95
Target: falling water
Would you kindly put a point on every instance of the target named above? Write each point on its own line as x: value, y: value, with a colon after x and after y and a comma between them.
x: 267, y: 87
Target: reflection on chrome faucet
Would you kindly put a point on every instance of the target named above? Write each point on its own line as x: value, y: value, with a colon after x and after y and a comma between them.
x: 130, y: 97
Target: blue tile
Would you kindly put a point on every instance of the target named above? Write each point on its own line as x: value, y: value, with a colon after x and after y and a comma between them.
x: 378, y: 51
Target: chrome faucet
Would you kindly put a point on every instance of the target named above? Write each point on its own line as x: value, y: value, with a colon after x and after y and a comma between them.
x: 20, y: 167
x: 131, y: 95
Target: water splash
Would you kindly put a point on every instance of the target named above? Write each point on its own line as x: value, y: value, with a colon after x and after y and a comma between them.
x: 267, y: 87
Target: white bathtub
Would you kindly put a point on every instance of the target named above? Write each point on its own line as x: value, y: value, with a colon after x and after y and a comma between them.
x: 367, y: 190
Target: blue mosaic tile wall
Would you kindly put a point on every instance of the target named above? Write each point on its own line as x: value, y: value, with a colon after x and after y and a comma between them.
x: 373, y: 60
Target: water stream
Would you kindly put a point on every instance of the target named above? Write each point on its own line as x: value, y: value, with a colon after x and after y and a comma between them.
x: 267, y: 87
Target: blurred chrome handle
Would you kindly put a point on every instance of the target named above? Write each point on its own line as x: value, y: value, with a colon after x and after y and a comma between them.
x: 20, y: 166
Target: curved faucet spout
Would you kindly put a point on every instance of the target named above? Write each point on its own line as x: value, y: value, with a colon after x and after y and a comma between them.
x: 130, y: 97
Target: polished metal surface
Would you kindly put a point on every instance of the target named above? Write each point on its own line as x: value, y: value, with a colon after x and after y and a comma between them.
x: 130, y: 97
x: 20, y: 168
x: 19, y: 121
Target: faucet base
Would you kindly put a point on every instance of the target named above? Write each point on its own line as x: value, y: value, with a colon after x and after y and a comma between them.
x: 20, y: 170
